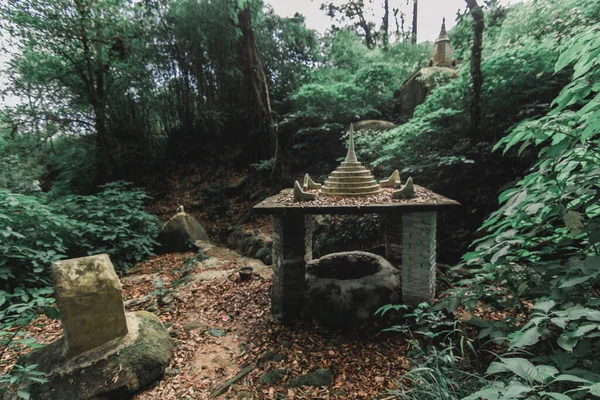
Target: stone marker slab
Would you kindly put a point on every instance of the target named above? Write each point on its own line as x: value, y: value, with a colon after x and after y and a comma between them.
x: 88, y: 295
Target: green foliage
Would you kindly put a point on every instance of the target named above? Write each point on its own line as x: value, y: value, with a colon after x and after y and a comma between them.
x: 33, y: 237
x: 18, y: 169
x: 17, y: 310
x: 542, y: 243
x: 441, y: 355
x: 134, y: 80
x: 39, y: 230
x: 20, y: 380
x: 357, y: 82
x: 113, y: 222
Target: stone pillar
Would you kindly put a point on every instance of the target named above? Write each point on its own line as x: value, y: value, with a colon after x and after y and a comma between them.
x: 292, y: 248
x: 393, y: 239
x: 418, y: 257
x: 88, y: 295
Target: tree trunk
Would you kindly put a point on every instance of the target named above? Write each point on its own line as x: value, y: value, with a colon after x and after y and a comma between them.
x: 94, y: 82
x: 476, y: 75
x: 413, y: 36
x: 257, y: 100
x: 385, y: 24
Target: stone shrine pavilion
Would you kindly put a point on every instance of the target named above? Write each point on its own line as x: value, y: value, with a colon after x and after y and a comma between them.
x: 409, y: 212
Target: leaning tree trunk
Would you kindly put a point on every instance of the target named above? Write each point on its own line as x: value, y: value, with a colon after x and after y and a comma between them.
x: 476, y: 75
x: 413, y: 36
x: 257, y: 100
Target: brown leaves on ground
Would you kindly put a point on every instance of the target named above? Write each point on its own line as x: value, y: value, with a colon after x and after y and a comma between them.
x: 224, y: 325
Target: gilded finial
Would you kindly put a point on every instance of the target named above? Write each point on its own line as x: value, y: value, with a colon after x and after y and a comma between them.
x: 351, y: 156
x: 443, y: 30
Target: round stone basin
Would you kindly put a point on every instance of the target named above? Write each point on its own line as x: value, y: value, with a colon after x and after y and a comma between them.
x: 345, y: 289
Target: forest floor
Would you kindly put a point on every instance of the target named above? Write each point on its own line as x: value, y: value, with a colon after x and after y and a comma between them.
x: 223, y: 325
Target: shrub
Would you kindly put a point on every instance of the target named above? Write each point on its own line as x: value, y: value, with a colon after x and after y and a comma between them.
x: 113, y: 222
x: 33, y: 236
x: 37, y: 231
x: 542, y: 246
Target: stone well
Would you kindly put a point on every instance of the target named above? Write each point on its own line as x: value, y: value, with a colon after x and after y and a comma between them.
x: 344, y: 289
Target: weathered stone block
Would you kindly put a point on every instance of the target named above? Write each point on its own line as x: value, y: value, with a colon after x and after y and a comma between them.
x: 88, y: 295
x: 115, y: 371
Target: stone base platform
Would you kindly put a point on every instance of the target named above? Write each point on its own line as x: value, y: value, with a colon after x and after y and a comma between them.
x: 115, y: 370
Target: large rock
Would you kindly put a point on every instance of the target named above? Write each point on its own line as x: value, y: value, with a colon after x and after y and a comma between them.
x: 88, y: 295
x: 414, y: 91
x: 251, y: 244
x: 372, y: 125
x: 344, y: 289
x: 180, y: 233
x: 114, y: 371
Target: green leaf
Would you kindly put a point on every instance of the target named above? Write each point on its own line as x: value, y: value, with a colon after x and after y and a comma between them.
x: 575, y: 281
x: 570, y: 378
x: 23, y: 394
x: 51, y: 312
x: 567, y: 343
x: 526, y: 338
x: 521, y: 367
x: 544, y: 306
x: 556, y: 395
x: 560, y: 321
x: 496, y: 367
x: 595, y: 389
x: 546, y: 372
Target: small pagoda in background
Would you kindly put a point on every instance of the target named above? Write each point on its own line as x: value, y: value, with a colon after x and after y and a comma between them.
x: 414, y: 91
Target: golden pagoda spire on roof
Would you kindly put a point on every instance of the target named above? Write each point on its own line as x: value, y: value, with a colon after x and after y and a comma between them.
x: 351, y: 179
x: 351, y: 156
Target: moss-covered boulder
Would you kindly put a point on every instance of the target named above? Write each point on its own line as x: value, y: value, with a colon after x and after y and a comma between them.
x: 114, y: 371
x: 179, y: 233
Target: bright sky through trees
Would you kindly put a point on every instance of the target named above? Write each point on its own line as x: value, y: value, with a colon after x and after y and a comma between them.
x: 430, y: 13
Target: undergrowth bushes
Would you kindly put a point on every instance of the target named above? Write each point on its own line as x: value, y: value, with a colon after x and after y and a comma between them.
x: 37, y: 230
x: 540, y: 249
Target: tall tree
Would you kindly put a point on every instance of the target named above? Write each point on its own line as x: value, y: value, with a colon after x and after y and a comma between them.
x: 476, y: 74
x: 69, y: 52
x: 413, y: 36
x: 257, y: 99
x: 385, y: 24
x: 354, y: 11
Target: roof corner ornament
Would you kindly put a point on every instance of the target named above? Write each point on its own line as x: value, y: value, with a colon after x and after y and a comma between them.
x: 392, y: 182
x: 301, y: 195
x: 407, y: 192
x: 309, y: 184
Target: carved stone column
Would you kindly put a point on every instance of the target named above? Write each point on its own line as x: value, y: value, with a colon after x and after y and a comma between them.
x: 418, y: 257
x: 292, y: 248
